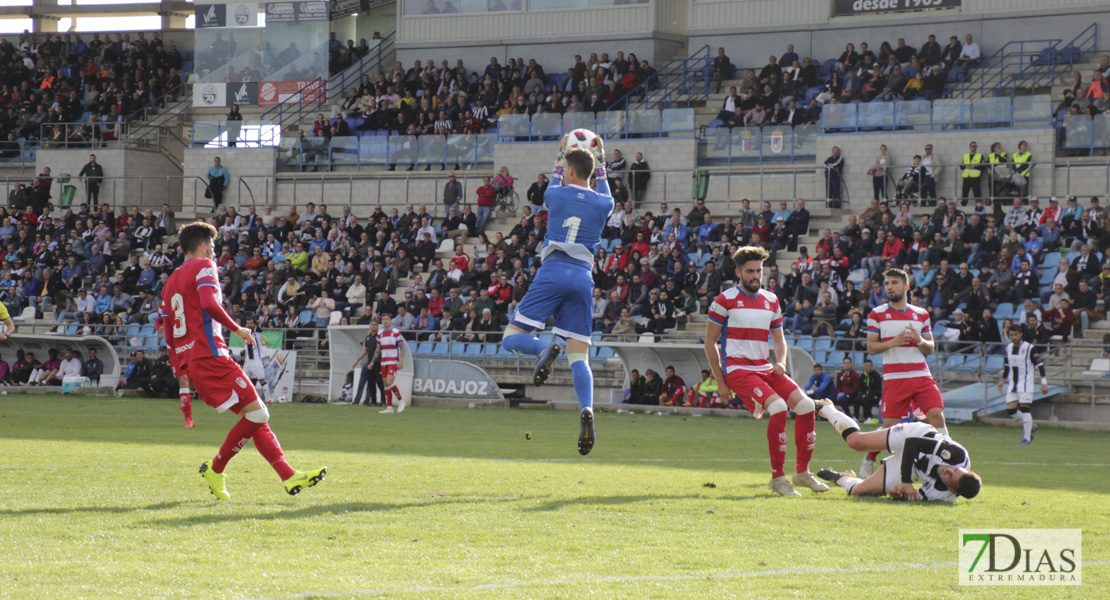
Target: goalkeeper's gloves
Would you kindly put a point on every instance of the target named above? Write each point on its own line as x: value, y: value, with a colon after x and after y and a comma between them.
x: 599, y: 152
x: 560, y: 160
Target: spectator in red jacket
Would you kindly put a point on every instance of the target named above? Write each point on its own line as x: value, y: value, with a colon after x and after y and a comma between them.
x: 673, y: 387
x: 894, y: 249
x: 486, y: 194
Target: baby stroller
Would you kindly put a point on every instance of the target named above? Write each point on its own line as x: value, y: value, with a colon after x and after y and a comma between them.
x: 1005, y: 183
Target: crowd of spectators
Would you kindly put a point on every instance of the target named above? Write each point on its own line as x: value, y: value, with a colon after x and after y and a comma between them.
x: 791, y: 90
x: 427, y: 99
x: 56, y: 78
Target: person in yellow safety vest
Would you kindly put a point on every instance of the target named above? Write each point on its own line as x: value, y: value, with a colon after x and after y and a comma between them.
x: 1023, y: 165
x: 999, y: 169
x: 972, y: 170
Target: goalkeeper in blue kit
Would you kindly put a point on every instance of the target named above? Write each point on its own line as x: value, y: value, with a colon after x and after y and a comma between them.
x: 563, y: 286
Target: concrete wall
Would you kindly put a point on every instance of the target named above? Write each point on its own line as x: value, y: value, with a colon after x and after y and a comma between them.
x: 860, y: 150
x: 751, y: 30
x: 255, y: 166
x: 653, y: 31
x: 527, y: 161
x: 147, y: 179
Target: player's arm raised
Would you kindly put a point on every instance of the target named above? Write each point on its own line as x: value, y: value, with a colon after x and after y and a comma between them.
x: 713, y: 353
x: 210, y: 304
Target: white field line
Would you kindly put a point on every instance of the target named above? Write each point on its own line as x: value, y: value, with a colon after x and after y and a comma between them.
x: 692, y: 460
x: 631, y: 579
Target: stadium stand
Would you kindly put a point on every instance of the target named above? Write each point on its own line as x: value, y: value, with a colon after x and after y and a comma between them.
x: 373, y: 241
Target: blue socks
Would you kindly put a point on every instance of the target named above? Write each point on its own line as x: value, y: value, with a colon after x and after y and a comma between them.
x: 583, y: 381
x: 525, y: 343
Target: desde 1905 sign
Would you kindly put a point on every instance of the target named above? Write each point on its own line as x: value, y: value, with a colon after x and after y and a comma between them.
x: 846, y: 8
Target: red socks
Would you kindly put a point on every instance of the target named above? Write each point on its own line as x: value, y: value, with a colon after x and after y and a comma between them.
x: 238, y: 437
x: 267, y: 444
x: 389, y: 396
x: 872, y: 455
x: 805, y: 437
x: 186, y: 398
x: 776, y: 443
x: 264, y: 441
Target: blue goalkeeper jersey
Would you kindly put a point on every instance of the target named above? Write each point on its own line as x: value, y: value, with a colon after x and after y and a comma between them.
x: 575, y: 218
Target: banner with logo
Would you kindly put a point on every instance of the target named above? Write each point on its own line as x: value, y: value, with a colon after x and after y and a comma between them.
x: 343, y: 8
x: 210, y: 15
x: 231, y: 14
x: 242, y: 14
x: 847, y: 8
x: 452, y: 379
x: 305, y: 91
x: 209, y: 94
x: 243, y: 94
x: 297, y: 12
x: 1024, y: 557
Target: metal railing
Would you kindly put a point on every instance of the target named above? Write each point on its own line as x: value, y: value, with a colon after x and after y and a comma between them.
x: 728, y: 185
x: 683, y: 81
x: 1026, y: 64
x: 316, y: 93
x: 376, y: 58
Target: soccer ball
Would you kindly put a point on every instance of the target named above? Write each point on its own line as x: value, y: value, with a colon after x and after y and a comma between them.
x: 584, y: 139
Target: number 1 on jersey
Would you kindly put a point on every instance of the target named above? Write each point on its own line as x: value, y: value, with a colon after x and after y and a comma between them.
x: 177, y: 305
x: 572, y: 223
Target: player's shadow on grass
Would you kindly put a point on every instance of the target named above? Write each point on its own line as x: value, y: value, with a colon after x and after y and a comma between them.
x: 554, y: 505
x: 329, y: 509
x: 67, y: 510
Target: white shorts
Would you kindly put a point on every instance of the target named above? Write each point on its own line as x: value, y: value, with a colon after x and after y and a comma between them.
x: 892, y: 472
x: 1019, y: 397
x: 896, y: 436
x: 253, y: 369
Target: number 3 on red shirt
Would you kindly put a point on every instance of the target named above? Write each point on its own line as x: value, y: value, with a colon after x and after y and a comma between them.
x: 177, y: 305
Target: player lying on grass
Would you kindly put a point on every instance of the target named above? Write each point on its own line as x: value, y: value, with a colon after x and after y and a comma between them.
x: 194, y: 331
x: 918, y: 453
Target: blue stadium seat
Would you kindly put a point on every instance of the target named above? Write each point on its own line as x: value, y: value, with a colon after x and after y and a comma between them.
x: 306, y: 317
x: 1005, y: 310
x: 474, y: 350
x: 995, y: 363
x: 440, y: 349
x: 458, y: 349
x: 953, y: 361
x: 424, y: 348
x: 605, y: 352
x: 1050, y: 259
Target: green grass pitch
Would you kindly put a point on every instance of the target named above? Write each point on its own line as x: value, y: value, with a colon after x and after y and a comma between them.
x: 101, y: 499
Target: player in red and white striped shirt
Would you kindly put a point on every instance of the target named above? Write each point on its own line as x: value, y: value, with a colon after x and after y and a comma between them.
x: 901, y: 333
x: 389, y: 348
x: 749, y: 315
